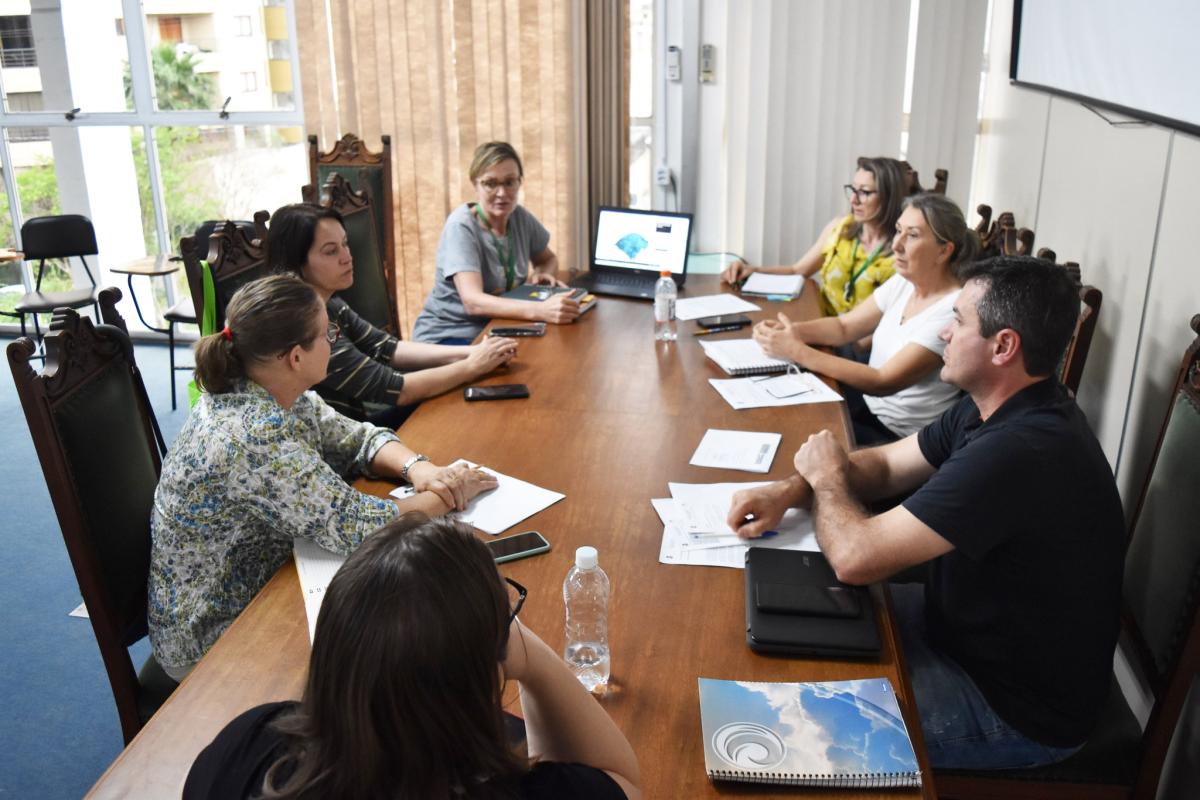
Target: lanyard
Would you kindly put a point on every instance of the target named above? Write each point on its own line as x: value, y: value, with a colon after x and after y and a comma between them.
x: 870, y: 260
x: 507, y: 260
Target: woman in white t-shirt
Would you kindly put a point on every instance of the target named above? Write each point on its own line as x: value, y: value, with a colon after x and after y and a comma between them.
x: 900, y: 388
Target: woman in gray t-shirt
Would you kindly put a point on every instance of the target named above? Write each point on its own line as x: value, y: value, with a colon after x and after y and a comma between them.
x: 486, y: 249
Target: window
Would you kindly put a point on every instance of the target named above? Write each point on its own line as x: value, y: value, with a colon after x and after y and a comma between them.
x: 147, y: 157
x: 641, y: 103
x: 16, y: 42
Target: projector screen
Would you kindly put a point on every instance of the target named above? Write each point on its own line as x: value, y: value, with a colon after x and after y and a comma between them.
x: 1138, y: 57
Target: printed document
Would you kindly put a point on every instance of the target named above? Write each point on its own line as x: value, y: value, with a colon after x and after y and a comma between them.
x: 761, y: 391
x: 316, y: 568
x: 710, y: 305
x: 745, y: 450
x: 499, y: 509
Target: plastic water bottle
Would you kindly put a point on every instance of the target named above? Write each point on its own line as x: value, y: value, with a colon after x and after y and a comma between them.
x: 585, y: 594
x: 664, y: 308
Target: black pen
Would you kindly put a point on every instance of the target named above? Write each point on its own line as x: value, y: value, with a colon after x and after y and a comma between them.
x: 719, y: 329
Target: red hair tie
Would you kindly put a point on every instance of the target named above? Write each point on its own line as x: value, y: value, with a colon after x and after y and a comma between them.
x: 228, y: 334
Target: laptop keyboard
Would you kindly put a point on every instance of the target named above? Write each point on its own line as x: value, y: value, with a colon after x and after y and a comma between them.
x: 631, y: 281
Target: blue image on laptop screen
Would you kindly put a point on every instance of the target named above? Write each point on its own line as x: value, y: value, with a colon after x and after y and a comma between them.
x: 641, y: 241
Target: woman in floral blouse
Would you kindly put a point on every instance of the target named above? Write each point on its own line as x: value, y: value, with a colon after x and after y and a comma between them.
x: 262, y: 460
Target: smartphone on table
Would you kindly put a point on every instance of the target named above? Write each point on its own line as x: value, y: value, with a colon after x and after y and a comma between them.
x: 536, y: 329
x: 724, y: 321
x: 519, y: 545
x: 500, y: 391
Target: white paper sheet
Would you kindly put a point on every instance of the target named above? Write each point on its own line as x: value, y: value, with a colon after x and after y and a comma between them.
x: 710, y: 305
x: 680, y: 547
x: 750, y: 451
x: 499, y: 509
x: 316, y: 568
x: 763, y: 391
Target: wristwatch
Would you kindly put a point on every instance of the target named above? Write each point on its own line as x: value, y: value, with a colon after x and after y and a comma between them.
x: 410, y: 464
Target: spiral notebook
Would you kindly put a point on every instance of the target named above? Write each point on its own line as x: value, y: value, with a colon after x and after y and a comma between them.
x: 847, y: 734
x: 743, y: 357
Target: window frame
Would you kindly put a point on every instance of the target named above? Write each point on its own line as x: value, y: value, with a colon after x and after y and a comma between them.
x: 144, y: 115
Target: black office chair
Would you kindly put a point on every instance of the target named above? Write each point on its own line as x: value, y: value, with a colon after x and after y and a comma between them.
x: 94, y: 432
x: 1160, y: 628
x: 58, y: 237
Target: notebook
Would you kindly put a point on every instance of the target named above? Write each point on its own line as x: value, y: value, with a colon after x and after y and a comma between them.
x: 828, y: 618
x: 765, y: 284
x: 743, y: 357
x: 847, y: 734
x: 632, y: 246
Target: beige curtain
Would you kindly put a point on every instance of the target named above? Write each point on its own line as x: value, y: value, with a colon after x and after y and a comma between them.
x: 441, y: 77
x: 607, y: 31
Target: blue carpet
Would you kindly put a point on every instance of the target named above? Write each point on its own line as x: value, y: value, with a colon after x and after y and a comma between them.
x: 61, y: 730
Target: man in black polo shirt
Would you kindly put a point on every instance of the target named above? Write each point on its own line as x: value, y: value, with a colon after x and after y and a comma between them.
x: 1010, y: 648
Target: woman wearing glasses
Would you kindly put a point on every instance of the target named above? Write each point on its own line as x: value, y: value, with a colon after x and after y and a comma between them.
x: 854, y: 253
x: 486, y: 249
x: 415, y: 640
x: 372, y: 375
x: 900, y: 387
x: 262, y: 460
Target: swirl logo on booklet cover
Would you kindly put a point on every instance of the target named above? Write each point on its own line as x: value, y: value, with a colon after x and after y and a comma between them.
x: 746, y: 745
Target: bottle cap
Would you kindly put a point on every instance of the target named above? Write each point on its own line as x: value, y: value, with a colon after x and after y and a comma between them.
x: 586, y: 558
x: 666, y: 273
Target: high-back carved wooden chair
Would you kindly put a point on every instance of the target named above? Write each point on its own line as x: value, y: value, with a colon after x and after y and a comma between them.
x: 373, y: 293
x: 940, y: 177
x: 234, y: 257
x: 371, y: 173
x: 1160, y: 630
x: 1001, y: 236
x: 95, y: 436
x: 1070, y: 371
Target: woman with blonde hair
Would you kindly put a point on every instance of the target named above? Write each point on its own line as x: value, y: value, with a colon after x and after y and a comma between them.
x: 899, y: 385
x: 262, y: 460
x: 487, y: 248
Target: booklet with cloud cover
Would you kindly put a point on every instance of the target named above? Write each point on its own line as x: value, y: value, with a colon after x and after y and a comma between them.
x: 837, y: 734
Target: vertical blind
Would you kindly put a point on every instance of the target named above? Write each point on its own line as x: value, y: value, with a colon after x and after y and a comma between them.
x: 442, y: 78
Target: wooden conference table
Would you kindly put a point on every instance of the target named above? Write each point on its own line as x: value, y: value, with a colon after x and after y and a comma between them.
x: 613, y: 416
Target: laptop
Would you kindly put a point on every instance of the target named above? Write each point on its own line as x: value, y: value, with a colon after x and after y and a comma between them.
x: 795, y: 605
x: 632, y: 246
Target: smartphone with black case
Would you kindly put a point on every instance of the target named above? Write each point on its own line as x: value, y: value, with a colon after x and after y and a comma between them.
x: 519, y: 545
x: 536, y: 329
x: 727, y: 321
x: 502, y: 391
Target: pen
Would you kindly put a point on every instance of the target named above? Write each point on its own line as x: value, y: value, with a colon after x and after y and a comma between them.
x: 719, y: 329
x: 713, y: 534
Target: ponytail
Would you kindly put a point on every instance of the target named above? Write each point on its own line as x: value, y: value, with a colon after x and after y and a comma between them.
x: 264, y: 318
x: 217, y: 364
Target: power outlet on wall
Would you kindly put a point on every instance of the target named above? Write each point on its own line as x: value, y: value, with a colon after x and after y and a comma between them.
x: 662, y: 175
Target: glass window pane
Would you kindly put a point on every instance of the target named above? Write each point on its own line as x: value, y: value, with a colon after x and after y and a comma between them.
x: 227, y: 172
x: 69, y: 55
x: 237, y: 50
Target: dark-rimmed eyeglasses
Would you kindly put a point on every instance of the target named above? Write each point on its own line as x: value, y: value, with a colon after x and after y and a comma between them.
x: 853, y: 193
x: 521, y: 593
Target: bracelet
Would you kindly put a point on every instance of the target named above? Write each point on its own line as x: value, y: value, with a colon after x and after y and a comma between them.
x: 410, y: 464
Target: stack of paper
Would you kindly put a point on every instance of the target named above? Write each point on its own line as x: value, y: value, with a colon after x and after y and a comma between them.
x: 695, y: 533
x: 745, y: 450
x: 790, y: 389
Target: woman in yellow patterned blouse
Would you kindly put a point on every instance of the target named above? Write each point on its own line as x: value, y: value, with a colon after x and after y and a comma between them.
x: 853, y: 253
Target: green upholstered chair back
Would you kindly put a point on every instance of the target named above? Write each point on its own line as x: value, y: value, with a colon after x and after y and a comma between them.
x: 235, y: 257
x: 1162, y: 568
x: 93, y: 429
x: 358, y: 183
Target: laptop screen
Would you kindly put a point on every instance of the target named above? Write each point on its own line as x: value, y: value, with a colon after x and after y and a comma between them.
x: 642, y: 240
